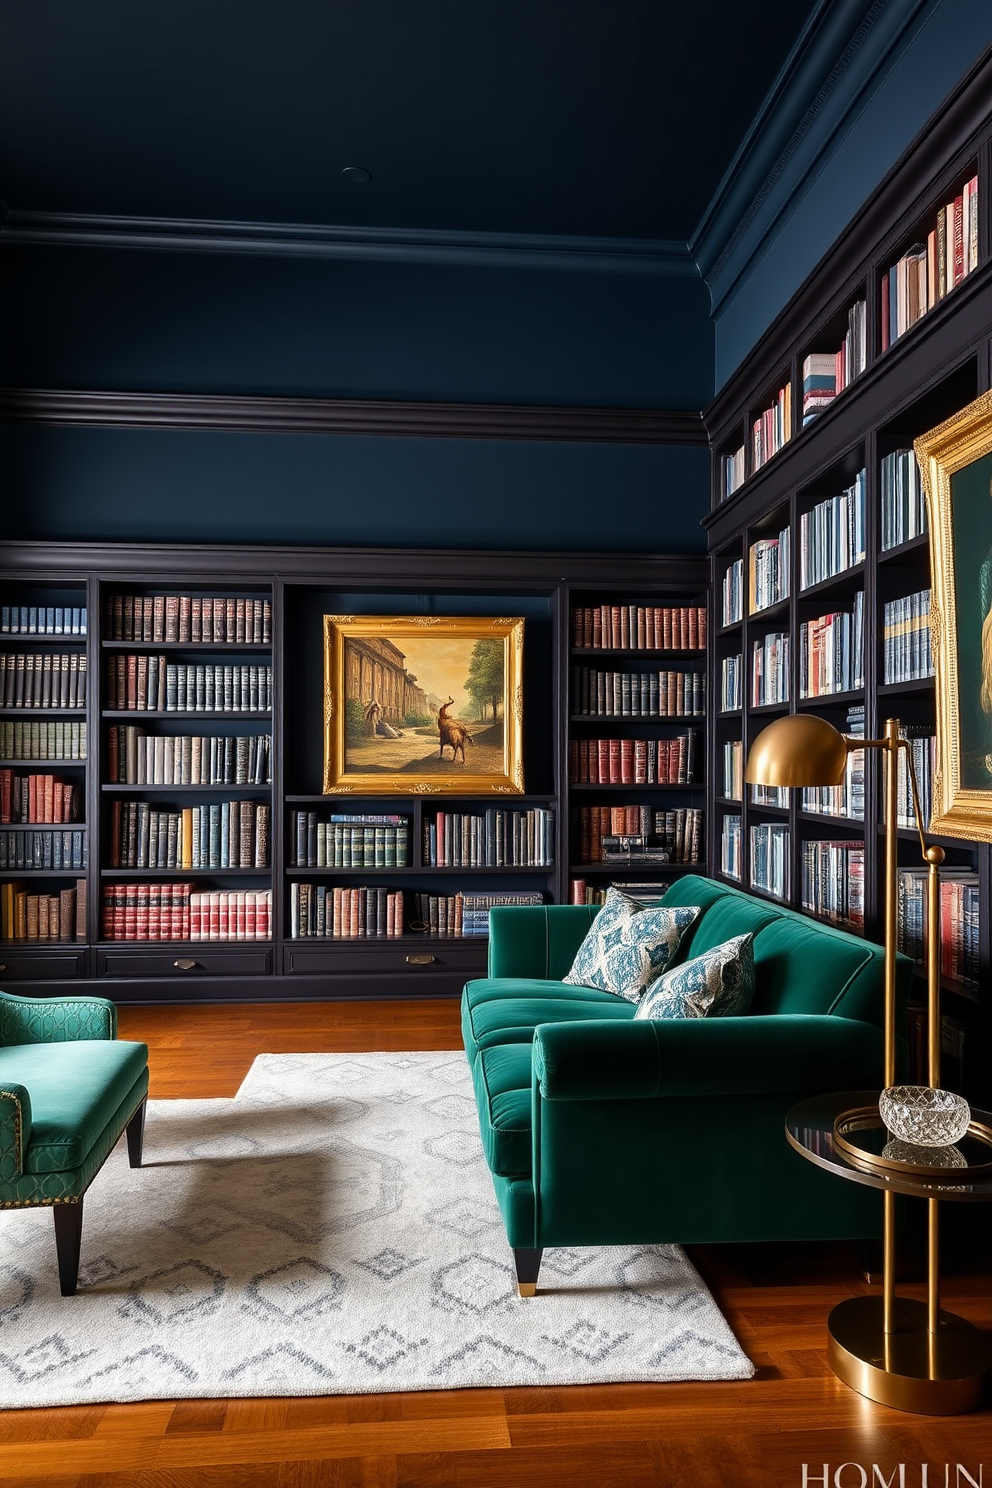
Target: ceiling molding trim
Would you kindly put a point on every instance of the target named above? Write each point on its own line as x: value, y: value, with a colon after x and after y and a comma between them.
x: 371, y: 418
x: 845, y: 51
x: 651, y: 256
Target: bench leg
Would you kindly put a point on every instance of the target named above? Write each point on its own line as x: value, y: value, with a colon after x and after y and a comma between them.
x: 68, y: 1233
x: 528, y: 1264
x: 136, y: 1135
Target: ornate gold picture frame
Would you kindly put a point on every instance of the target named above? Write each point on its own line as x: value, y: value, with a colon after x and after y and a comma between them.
x: 423, y: 705
x: 956, y: 464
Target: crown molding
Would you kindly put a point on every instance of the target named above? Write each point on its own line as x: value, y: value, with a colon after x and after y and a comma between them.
x: 371, y: 418
x: 651, y: 256
x: 844, y: 52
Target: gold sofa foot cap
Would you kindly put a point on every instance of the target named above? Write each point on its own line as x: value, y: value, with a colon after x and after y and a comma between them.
x: 527, y: 1288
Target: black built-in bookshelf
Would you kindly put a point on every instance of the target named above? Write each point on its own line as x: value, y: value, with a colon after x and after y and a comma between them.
x: 937, y: 366
x: 197, y: 786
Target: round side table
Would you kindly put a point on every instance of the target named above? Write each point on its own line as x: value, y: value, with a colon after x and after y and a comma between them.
x: 907, y: 1354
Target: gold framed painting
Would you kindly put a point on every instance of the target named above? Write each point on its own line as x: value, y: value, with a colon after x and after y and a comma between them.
x: 423, y: 705
x: 956, y: 465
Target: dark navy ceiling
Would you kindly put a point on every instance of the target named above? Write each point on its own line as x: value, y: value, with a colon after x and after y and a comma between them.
x: 607, y: 118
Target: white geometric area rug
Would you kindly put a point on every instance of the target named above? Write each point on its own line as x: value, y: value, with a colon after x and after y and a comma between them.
x: 333, y: 1229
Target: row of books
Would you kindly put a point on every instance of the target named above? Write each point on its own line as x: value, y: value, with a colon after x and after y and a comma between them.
x: 770, y: 669
x: 184, y: 617
x: 639, y: 627
x: 907, y: 654
x: 463, y: 914
x: 141, y: 683
x: 179, y: 911
x: 223, y: 834
x: 37, y: 798
x: 902, y: 500
x: 732, y: 593
x: 654, y: 694
x: 29, y: 916
x: 136, y: 757
x: 354, y: 841
x: 43, y: 739
x: 770, y: 795
x: 832, y: 535
x: 731, y: 860
x: 768, y: 570
x: 825, y: 374
x: 43, y: 848
x: 43, y: 679
x: 833, y: 881
x: 831, y: 651
x: 497, y: 839
x: 769, y: 858
x: 960, y: 906
x: 772, y: 429
x: 43, y: 620
x: 922, y: 741
x: 675, y: 836
x: 733, y: 770
x: 848, y: 798
x: 670, y: 761
x: 928, y: 271
x: 326, y: 910
x: 734, y: 471
x: 650, y: 894
x: 731, y: 683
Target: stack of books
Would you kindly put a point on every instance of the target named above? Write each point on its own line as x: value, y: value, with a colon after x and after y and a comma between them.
x: 960, y: 902
x: 31, y: 679
x: 42, y: 620
x: 847, y: 799
x: 733, y: 472
x: 178, y: 911
x: 772, y: 428
x: 833, y: 881
x: 923, y: 747
x: 770, y: 669
x: 825, y: 374
x: 769, y: 559
x: 732, y: 593
x: 928, y: 271
x: 903, y: 505
x: 671, y: 761
x: 29, y: 916
x: 319, y: 909
x: 22, y: 848
x: 769, y: 866
x: 48, y: 739
x: 37, y: 798
x: 136, y: 757
x: 183, y: 617
x: 349, y: 840
x: 639, y: 627
x: 832, y: 535
x: 222, y: 834
x: 497, y: 839
x: 907, y: 654
x: 730, y: 683
x: 733, y: 770
x: 831, y: 652
x: 730, y: 847
x: 655, y: 694
x: 153, y: 684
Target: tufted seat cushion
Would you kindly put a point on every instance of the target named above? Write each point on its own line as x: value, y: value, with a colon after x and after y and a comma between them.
x: 75, y: 1090
x: 506, y: 1010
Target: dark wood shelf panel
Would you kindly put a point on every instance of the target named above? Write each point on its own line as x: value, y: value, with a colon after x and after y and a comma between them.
x: 822, y: 818
x: 201, y: 648
x: 422, y: 870
x: 915, y: 547
x: 648, y: 870
x: 634, y: 653
x: 72, y: 873
x: 39, y: 714
x: 847, y: 578
x: 138, y: 790
x: 179, y: 873
x: 45, y: 766
x: 630, y: 785
x: 832, y: 699
x: 138, y: 715
x: 671, y: 718
x: 781, y: 812
x: 917, y: 684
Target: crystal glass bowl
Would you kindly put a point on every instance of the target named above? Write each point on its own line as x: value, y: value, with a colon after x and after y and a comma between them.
x: 924, y: 1116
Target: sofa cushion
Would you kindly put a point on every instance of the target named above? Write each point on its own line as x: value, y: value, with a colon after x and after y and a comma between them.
x: 507, y: 1009
x: 628, y: 945
x: 719, y: 983
x: 502, y: 1078
x: 75, y: 1089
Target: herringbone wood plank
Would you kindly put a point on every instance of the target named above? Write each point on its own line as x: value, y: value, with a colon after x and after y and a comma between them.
x: 754, y: 1434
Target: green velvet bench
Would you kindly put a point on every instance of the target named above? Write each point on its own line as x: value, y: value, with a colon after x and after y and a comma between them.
x: 68, y: 1089
x: 602, y: 1130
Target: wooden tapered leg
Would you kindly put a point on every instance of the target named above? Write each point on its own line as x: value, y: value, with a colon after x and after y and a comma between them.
x: 136, y: 1135
x: 528, y: 1264
x: 68, y: 1233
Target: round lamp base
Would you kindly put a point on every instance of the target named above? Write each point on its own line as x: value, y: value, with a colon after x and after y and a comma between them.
x: 909, y: 1369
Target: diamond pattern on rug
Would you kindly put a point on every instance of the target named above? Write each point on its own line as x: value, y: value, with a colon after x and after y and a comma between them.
x: 333, y: 1229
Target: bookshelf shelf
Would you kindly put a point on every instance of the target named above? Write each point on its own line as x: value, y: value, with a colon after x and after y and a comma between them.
x: 854, y: 460
x: 139, y: 715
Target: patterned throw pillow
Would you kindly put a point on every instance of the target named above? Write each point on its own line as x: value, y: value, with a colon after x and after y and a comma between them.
x: 717, y: 984
x: 628, y: 946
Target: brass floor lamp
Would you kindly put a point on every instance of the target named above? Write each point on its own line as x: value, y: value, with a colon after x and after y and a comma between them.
x: 904, y: 1353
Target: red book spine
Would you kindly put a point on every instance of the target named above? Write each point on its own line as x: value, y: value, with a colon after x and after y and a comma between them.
x: 616, y: 761
x: 627, y: 761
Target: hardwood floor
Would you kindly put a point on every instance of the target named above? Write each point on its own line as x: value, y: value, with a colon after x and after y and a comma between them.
x: 757, y: 1434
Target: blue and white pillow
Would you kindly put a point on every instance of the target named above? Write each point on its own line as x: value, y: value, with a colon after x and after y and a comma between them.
x: 627, y: 946
x: 717, y: 984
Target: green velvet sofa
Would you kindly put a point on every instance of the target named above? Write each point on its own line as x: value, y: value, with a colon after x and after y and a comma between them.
x: 68, y: 1089
x: 602, y: 1130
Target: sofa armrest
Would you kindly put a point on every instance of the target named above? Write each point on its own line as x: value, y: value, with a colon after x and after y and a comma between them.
x: 15, y: 1129
x: 538, y: 940
x: 55, y: 1020
x: 599, y: 1060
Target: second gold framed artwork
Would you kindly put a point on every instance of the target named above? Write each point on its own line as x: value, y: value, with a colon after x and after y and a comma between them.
x: 423, y: 705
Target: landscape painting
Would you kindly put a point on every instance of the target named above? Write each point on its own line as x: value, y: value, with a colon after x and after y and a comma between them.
x: 423, y: 705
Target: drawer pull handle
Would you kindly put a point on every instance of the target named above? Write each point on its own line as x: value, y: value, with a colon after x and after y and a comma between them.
x: 420, y: 958
x: 184, y: 964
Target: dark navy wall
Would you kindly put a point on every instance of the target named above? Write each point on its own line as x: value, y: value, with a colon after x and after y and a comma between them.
x: 954, y: 35
x: 153, y: 485
x: 130, y: 320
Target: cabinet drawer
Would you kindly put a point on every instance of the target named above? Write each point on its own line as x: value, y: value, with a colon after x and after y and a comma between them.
x: 404, y: 960
x: 176, y: 963
x: 41, y: 966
